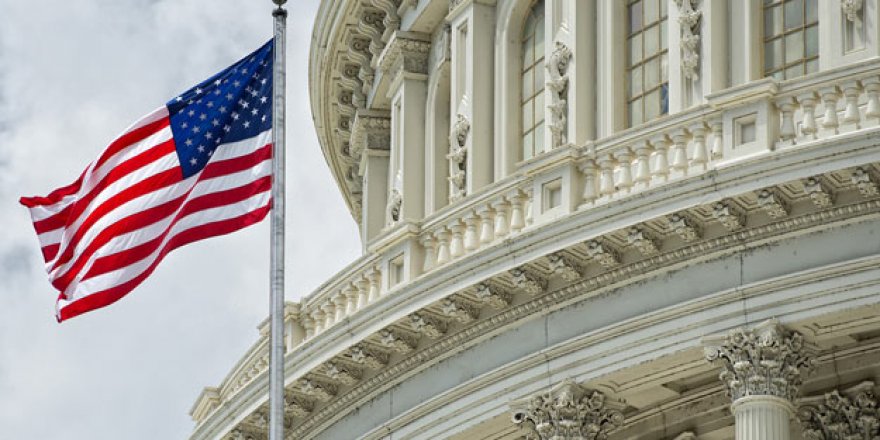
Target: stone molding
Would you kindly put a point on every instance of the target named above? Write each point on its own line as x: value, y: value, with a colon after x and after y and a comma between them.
x: 568, y: 411
x: 767, y: 360
x: 852, y: 414
x: 406, y: 52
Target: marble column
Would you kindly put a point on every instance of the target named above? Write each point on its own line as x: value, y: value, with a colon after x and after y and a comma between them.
x: 762, y: 369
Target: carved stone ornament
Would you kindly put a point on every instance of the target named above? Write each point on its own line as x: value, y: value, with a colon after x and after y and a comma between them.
x: 850, y: 416
x: 395, y: 201
x: 405, y: 55
x: 557, y: 83
x: 568, y: 411
x: 765, y: 361
x: 458, y: 157
x: 689, y: 21
x: 851, y: 9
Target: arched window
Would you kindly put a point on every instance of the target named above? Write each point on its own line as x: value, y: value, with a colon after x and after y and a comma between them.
x: 791, y: 38
x: 647, y: 72
x: 532, y: 95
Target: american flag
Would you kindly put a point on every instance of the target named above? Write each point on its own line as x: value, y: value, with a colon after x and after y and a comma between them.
x: 197, y: 167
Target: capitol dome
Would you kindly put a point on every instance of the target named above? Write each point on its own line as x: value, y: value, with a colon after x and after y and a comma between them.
x: 623, y: 220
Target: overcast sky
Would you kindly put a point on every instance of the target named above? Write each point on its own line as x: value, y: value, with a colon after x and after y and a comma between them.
x: 73, y: 74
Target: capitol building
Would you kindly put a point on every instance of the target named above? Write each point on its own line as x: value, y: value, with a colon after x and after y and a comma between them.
x: 588, y: 220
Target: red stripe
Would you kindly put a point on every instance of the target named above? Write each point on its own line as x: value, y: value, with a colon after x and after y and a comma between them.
x: 55, y: 196
x: 109, y: 296
x: 126, y: 257
x: 49, y: 252
x: 161, y: 180
x: 134, y: 136
x: 54, y: 221
x: 117, y: 173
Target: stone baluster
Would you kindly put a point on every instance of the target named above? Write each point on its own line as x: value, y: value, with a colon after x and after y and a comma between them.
x: 309, y: 325
x: 679, y: 152
x: 660, y: 171
x: 363, y: 289
x: 787, y: 130
x: 872, y: 90
x: 624, y: 176
x: 851, y: 92
x: 471, y: 237
x: 443, y: 255
x: 700, y: 156
x: 429, y: 245
x: 606, y: 176
x: 717, y: 150
x: 487, y: 222
x: 341, y: 302
x: 375, y: 278
x: 456, y: 248
x: 830, y: 96
x: 517, y: 218
x: 502, y: 224
x: 351, y: 294
x: 318, y: 317
x: 762, y: 369
x: 643, y: 165
x: 329, y: 310
x: 808, y: 108
x: 590, y: 171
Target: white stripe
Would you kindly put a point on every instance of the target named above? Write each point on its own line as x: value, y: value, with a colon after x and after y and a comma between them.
x: 95, y: 175
x: 161, y: 195
x: 43, y: 212
x: 109, y: 280
x: 134, y: 238
x: 49, y: 238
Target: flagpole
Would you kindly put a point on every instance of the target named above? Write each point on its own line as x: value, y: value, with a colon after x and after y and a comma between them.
x: 276, y: 269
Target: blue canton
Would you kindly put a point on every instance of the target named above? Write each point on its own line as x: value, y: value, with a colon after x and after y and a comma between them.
x: 233, y: 105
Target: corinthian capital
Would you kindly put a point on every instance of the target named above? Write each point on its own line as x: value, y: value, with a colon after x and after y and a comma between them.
x: 568, y: 411
x: 767, y: 360
x: 853, y: 415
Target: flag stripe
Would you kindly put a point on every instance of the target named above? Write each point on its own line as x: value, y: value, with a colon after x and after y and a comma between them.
x: 131, y: 138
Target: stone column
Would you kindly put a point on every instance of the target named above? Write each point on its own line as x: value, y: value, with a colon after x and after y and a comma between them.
x: 371, y: 140
x: 405, y: 60
x: 762, y: 369
x: 568, y: 411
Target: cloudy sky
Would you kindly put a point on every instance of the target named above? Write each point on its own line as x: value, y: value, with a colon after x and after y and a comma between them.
x: 73, y: 74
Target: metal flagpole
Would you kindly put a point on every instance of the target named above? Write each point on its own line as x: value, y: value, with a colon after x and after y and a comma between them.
x: 276, y: 269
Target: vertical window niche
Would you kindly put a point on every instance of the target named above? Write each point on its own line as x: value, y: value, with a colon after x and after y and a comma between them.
x: 791, y: 38
x: 647, y: 61
x: 532, y: 79
x: 551, y: 195
x: 396, y: 274
x: 853, y: 24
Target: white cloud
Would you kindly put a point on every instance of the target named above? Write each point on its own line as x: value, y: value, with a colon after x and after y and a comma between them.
x: 72, y: 76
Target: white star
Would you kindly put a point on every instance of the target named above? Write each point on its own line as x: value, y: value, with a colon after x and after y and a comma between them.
x: 184, y: 125
x: 201, y: 149
x: 193, y: 161
x: 196, y: 129
x: 210, y: 104
x: 235, y: 116
x: 264, y: 99
x: 236, y: 83
x: 191, y: 112
x: 244, y: 71
x: 217, y: 82
x: 217, y: 141
x: 247, y: 124
x: 222, y: 109
x: 263, y: 118
x: 255, y: 111
x: 229, y: 96
x: 215, y: 122
x: 188, y: 142
x: 244, y: 104
x: 198, y: 91
x: 263, y: 82
x: 217, y: 91
x: 208, y: 135
x: 178, y: 99
x: 226, y: 128
x: 203, y: 116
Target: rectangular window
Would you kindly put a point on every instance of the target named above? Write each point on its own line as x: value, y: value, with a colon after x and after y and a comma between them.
x: 647, y: 61
x: 532, y: 77
x: 396, y: 273
x: 791, y: 38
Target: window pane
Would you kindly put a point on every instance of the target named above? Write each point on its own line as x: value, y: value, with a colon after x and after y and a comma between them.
x: 652, y: 73
x: 635, y: 81
x: 539, y: 76
x: 664, y: 99
x: 539, y: 107
x: 812, y: 11
x: 652, y: 41
x: 635, y: 17
x: 778, y: 75
x: 528, y: 81
x: 794, y: 14
x: 635, y: 112
x: 794, y: 71
x: 635, y: 50
x: 529, y: 27
x: 652, y: 11
x: 528, y: 52
x: 812, y: 66
x: 652, y: 105
x: 663, y: 42
x: 527, y: 122
x: 527, y: 146
x: 664, y: 67
x: 812, y: 41
x: 663, y: 8
x: 794, y: 47
x: 539, y: 39
x: 772, y: 21
x: 539, y: 139
x: 772, y: 54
